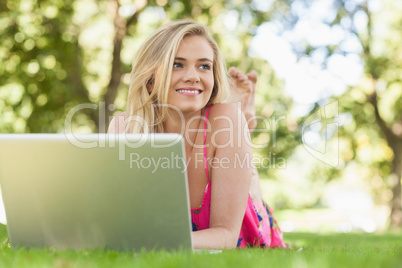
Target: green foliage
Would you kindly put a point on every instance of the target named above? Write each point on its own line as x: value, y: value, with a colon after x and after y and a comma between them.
x: 57, y: 54
x: 370, y: 132
x: 41, y: 58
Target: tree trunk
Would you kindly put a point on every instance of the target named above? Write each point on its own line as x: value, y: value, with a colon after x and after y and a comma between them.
x: 395, y: 143
x: 120, y: 30
x: 396, y: 202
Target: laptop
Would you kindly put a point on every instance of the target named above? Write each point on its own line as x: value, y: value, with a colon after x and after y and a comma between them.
x: 103, y: 191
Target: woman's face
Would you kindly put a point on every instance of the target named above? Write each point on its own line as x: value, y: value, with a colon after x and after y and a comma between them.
x: 192, y: 75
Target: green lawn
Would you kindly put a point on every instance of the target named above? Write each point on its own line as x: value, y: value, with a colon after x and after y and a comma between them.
x: 335, y: 250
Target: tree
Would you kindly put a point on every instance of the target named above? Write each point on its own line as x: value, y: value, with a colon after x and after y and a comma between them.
x: 382, y: 66
x: 375, y: 103
x: 58, y: 54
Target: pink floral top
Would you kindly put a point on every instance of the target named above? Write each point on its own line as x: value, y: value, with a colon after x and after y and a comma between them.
x: 259, y: 227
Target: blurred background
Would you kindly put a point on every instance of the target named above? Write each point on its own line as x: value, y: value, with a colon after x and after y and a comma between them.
x: 329, y: 97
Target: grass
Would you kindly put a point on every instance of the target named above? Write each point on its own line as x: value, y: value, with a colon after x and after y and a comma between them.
x: 335, y: 250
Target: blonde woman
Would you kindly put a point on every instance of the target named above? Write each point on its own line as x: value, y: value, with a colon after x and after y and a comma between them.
x: 180, y: 85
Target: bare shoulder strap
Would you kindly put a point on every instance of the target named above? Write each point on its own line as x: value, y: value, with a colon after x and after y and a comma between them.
x: 205, y: 138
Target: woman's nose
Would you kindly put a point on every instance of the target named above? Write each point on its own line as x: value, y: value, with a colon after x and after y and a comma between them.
x: 191, y: 75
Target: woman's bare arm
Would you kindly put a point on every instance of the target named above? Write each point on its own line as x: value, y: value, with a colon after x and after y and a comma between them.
x: 230, y: 176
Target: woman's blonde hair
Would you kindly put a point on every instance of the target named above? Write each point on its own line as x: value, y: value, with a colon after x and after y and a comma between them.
x: 152, y: 66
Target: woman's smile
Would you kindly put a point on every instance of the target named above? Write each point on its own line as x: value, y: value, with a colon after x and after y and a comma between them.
x: 189, y: 91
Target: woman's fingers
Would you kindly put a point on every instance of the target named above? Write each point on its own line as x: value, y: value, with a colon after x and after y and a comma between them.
x: 243, y: 89
x: 252, y: 76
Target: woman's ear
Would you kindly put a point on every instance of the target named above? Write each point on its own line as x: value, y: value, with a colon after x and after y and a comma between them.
x: 150, y: 84
x: 150, y: 88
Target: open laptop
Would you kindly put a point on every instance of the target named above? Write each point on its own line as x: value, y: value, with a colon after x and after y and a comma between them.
x: 118, y: 192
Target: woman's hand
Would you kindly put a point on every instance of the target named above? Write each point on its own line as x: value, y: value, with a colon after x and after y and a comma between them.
x: 243, y: 89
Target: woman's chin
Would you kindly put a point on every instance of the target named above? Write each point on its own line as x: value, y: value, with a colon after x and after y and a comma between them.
x: 189, y: 108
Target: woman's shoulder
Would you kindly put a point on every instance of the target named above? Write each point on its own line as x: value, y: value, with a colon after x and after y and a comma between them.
x: 222, y: 111
x: 118, y: 123
x: 226, y: 123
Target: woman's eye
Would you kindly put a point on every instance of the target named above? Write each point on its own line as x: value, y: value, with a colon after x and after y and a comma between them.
x: 177, y: 65
x: 206, y: 67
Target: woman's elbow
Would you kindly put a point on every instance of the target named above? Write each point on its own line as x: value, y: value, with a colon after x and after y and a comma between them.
x: 232, y: 236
